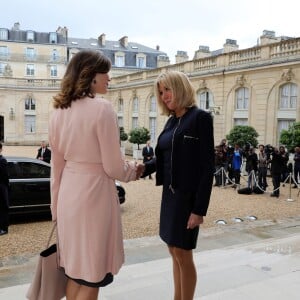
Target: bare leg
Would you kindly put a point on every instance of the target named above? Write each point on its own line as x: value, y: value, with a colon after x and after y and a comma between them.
x: 187, y: 270
x: 176, y: 276
x: 72, y: 289
x: 76, y: 291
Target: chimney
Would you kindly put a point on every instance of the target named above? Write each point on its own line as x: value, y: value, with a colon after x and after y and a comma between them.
x: 63, y: 31
x: 181, y: 56
x: 16, y: 26
x: 101, y: 40
x: 157, y: 47
x: 202, y: 52
x: 230, y: 46
x: 124, y: 41
x: 268, y: 37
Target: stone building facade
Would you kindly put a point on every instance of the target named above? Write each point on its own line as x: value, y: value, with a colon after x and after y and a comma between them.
x: 31, y: 67
x: 258, y: 86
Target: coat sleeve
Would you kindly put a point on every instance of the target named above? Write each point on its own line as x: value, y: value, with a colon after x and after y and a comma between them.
x: 108, y: 134
x: 206, y: 163
x: 57, y: 166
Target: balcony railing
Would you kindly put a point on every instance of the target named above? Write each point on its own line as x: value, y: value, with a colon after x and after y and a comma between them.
x: 20, y: 83
x: 15, y: 57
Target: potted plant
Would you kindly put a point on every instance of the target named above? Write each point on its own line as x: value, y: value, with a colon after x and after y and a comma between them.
x: 138, y: 136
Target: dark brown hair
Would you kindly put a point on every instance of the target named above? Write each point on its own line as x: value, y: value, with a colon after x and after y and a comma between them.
x: 80, y: 72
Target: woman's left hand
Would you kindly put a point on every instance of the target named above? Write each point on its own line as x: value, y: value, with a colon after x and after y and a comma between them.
x: 194, y: 221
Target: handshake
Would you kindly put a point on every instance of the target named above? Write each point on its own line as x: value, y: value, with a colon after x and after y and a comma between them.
x: 140, y: 169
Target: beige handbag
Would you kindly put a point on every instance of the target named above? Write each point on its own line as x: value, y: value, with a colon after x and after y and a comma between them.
x: 49, y: 281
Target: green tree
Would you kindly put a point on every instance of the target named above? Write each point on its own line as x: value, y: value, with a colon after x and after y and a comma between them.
x: 123, y: 134
x: 291, y: 137
x: 242, y: 135
x: 139, y: 135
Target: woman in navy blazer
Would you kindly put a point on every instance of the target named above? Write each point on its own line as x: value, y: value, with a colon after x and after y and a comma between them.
x: 184, y: 165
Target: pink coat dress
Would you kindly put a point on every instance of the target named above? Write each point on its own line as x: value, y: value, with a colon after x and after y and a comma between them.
x: 86, y: 160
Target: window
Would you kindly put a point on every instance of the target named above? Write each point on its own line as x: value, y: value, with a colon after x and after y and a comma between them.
x: 283, y: 125
x: 119, y: 60
x: 33, y: 170
x: 53, y: 38
x: 3, y: 34
x: 240, y: 122
x: 30, y: 53
x: 120, y: 105
x: 135, y: 105
x: 152, y: 127
x: 30, y: 70
x: 54, y: 54
x: 242, y: 98
x: 2, y: 68
x: 205, y: 100
x: 30, y: 36
x: 152, y: 104
x: 288, y: 96
x: 53, y: 71
x: 3, y: 51
x: 29, y: 125
x: 120, y: 121
x: 29, y: 104
x: 134, y: 122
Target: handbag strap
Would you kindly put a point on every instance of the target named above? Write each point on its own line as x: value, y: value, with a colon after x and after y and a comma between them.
x: 51, y: 234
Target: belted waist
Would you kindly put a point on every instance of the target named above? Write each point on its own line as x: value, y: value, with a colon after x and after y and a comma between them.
x: 95, y: 168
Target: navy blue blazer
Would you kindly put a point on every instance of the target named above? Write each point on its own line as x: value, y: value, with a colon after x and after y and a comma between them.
x: 192, y: 158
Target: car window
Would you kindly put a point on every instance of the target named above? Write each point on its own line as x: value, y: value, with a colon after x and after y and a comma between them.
x: 12, y: 169
x: 33, y: 170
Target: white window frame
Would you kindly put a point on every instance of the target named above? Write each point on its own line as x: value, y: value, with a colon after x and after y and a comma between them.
x: 242, y: 98
x: 135, y: 122
x: 29, y: 123
x: 288, y: 96
x: 283, y: 124
x: 119, y: 59
x: 53, y: 70
x: 3, y: 51
x: 29, y: 104
x: 240, y: 122
x: 3, y: 34
x: 53, y: 38
x: 135, y: 105
x: 205, y: 99
x: 120, y: 121
x: 30, y: 53
x: 152, y: 128
x: 2, y: 68
x: 141, y: 60
x: 30, y: 36
x: 55, y: 54
x: 30, y: 70
x: 152, y: 104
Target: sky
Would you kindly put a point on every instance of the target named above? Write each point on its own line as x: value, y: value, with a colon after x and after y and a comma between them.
x: 172, y: 24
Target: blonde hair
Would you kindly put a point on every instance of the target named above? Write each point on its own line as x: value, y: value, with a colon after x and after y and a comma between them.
x: 181, y: 87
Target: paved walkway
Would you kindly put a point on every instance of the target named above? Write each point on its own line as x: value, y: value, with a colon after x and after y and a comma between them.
x: 258, y: 260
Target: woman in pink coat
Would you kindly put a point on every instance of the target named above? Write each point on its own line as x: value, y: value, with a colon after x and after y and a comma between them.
x: 86, y: 160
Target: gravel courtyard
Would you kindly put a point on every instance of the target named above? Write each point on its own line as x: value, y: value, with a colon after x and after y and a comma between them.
x: 140, y: 212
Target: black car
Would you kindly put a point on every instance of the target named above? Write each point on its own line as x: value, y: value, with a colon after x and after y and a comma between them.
x: 29, y: 190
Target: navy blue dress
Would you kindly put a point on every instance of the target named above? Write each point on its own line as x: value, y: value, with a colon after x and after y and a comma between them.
x: 175, y: 207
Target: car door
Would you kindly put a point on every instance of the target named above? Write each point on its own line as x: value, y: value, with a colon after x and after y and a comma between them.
x: 30, y: 189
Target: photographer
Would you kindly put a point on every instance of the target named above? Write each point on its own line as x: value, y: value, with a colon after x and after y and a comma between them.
x: 277, y: 165
x: 262, y: 167
x: 251, y: 164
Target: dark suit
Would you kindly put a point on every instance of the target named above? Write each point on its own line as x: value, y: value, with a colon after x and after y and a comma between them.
x: 46, y: 155
x: 4, y: 202
x: 148, y: 154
